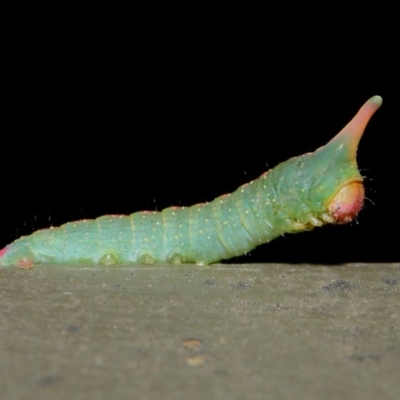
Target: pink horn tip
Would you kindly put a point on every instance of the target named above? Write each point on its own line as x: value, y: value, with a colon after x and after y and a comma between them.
x: 354, y: 130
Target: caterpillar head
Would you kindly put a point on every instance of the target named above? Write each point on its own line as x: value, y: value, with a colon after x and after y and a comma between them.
x: 347, y: 202
x: 339, y: 181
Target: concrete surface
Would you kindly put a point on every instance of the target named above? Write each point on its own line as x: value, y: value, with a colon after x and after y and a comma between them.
x: 221, y: 332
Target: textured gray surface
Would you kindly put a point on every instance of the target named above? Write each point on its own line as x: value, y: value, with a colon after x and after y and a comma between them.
x: 220, y: 332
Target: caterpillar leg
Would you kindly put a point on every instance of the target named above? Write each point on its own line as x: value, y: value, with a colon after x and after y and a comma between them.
x: 25, y: 263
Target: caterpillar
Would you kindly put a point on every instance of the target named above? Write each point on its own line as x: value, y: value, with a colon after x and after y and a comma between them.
x: 299, y: 194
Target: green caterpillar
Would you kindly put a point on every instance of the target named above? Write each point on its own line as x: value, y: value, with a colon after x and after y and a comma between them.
x: 304, y: 192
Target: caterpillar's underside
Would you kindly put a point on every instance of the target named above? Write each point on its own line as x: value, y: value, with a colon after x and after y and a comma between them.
x: 303, y: 192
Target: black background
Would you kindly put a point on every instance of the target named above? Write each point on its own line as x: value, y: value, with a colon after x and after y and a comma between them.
x: 109, y: 123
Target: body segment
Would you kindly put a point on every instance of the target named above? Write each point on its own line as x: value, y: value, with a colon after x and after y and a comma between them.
x: 299, y: 194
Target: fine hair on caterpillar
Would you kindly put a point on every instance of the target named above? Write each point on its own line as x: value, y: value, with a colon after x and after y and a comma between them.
x: 304, y: 192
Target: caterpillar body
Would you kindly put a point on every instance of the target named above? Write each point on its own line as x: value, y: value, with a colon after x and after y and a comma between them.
x: 299, y: 194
